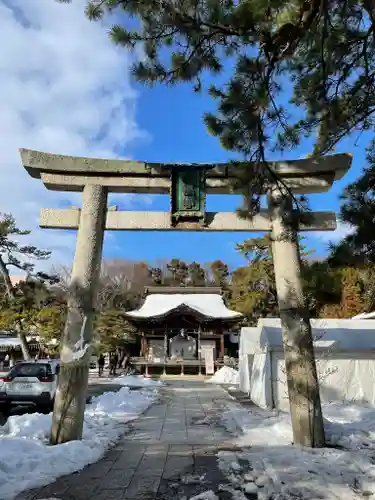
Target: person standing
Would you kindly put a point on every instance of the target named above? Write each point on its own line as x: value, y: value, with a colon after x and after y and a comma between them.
x: 113, y: 360
x: 101, y: 362
x: 111, y: 364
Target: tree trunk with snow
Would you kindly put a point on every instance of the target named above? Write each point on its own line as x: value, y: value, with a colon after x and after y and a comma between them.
x: 70, y: 400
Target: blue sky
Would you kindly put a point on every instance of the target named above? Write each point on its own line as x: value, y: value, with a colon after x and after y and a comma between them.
x: 65, y: 98
x: 173, y: 118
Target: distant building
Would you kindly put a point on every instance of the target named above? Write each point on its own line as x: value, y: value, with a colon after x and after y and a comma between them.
x: 179, y: 325
x: 10, y: 344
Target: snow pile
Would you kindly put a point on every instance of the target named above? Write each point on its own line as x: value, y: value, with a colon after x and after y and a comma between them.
x: 206, y: 495
x: 136, y: 381
x: 226, y: 375
x: 273, y: 468
x: 26, y: 460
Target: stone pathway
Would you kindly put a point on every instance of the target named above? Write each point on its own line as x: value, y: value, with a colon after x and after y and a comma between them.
x: 170, y: 453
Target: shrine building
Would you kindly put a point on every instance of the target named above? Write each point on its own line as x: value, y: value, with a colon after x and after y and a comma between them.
x: 183, y: 330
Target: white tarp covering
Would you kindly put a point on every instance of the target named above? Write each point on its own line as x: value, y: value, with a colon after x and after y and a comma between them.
x: 209, y: 305
x: 248, y: 343
x: 345, y: 356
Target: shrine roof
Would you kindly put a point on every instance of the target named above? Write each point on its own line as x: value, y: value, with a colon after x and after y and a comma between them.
x: 210, y: 306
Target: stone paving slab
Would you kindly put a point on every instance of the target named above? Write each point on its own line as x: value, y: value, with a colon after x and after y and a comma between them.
x: 167, y: 454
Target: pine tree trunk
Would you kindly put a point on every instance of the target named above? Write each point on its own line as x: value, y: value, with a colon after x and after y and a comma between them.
x: 8, y: 282
x: 24, y: 345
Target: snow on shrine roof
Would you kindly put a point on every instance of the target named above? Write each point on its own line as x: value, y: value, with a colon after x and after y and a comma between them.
x: 208, y: 305
x: 8, y: 339
x: 9, y: 342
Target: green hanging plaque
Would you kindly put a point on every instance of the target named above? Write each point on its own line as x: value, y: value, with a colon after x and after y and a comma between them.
x: 188, y: 195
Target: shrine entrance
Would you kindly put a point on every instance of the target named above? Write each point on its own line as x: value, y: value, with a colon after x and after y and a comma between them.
x: 188, y: 186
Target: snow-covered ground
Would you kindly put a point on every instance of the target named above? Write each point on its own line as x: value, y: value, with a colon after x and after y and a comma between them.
x: 270, y: 466
x: 226, y: 375
x: 135, y: 381
x: 26, y: 460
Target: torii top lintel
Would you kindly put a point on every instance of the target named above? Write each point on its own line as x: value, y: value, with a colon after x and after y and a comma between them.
x: 71, y: 173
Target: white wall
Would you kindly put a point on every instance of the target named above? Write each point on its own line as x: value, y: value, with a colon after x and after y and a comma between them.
x: 345, y: 354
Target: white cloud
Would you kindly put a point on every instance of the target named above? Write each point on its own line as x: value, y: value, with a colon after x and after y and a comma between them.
x: 335, y: 236
x: 64, y: 88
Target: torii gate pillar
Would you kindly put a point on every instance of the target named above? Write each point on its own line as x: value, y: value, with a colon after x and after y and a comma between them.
x: 76, y: 345
x: 300, y: 367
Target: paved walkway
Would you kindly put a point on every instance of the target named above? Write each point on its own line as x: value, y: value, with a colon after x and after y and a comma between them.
x: 170, y: 453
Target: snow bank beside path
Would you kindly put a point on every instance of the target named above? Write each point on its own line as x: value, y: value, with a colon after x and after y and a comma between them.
x: 136, y: 381
x: 226, y: 375
x: 273, y: 468
x: 26, y: 460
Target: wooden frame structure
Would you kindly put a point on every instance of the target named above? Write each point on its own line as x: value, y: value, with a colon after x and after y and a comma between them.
x: 159, y: 330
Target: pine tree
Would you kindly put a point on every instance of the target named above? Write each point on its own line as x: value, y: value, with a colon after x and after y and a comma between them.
x: 19, y: 299
x: 178, y: 272
x: 353, y: 296
x: 114, y: 330
x: 220, y: 273
x: 322, y: 50
x: 358, y: 212
x: 196, y: 275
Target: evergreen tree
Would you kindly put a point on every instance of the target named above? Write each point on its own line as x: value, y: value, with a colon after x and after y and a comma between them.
x: 220, y: 273
x: 358, y: 211
x: 322, y: 51
x: 253, y: 287
x: 114, y: 330
x: 18, y: 301
x: 353, y: 299
x: 178, y: 272
x: 196, y: 274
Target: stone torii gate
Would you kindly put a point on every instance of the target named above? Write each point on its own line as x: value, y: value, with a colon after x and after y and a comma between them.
x: 187, y: 184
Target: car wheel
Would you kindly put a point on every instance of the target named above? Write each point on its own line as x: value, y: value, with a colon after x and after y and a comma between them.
x: 5, y: 411
x: 46, y: 409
